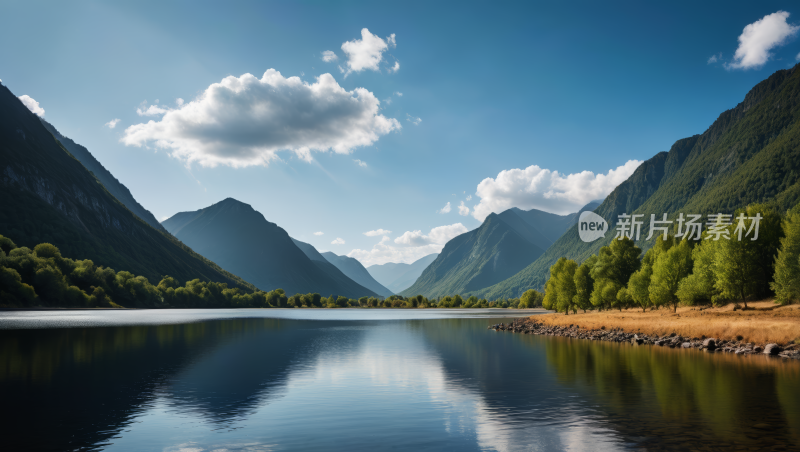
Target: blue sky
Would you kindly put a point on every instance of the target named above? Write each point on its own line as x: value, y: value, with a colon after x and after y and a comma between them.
x: 581, y: 89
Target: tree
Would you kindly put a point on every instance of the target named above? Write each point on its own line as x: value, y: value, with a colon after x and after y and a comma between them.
x: 668, y: 270
x: 614, y: 267
x: 639, y: 286
x: 530, y: 299
x: 584, y: 284
x: 699, y: 286
x: 565, y: 286
x: 786, y: 282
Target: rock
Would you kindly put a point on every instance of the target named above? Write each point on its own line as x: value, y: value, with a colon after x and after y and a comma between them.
x: 772, y: 349
x: 636, y: 340
x: 660, y: 343
x: 686, y: 345
x: 710, y: 343
x: 792, y: 347
x: 740, y: 351
x: 757, y: 349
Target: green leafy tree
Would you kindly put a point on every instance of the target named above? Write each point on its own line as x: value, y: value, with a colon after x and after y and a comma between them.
x: 584, y: 284
x: 639, y: 286
x: 786, y: 283
x: 614, y: 267
x: 669, y: 269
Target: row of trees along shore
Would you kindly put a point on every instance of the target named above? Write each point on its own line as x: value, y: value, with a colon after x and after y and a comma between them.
x: 43, y: 277
x: 683, y: 271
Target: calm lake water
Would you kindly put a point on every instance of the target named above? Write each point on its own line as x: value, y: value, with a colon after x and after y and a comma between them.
x: 226, y: 380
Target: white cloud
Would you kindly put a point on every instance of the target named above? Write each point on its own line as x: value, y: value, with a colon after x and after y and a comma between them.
x: 377, y: 232
x: 360, y: 163
x: 758, y: 38
x: 111, y: 124
x: 328, y: 56
x: 398, y: 94
x: 469, y: 197
x: 539, y: 188
x: 366, y: 53
x: 338, y: 241
x: 714, y: 58
x: 32, y: 105
x: 319, y: 233
x: 396, y: 67
x: 409, y: 247
x: 413, y: 120
x: 244, y: 121
x: 463, y: 210
x: 152, y: 110
x: 391, y: 41
x: 797, y: 57
x: 179, y: 101
x: 445, y: 209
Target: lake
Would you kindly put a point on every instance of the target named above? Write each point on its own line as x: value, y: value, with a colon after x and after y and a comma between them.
x: 359, y: 379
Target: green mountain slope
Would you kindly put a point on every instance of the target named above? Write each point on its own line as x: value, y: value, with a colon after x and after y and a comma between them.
x: 110, y: 182
x: 399, y: 276
x: 355, y: 271
x: 503, y: 245
x: 241, y: 240
x: 476, y: 259
x: 47, y: 195
x: 337, y: 272
x: 751, y: 153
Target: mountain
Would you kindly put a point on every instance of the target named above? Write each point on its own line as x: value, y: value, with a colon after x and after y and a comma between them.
x: 750, y: 154
x: 241, y: 240
x: 503, y: 245
x: 399, y: 276
x: 347, y: 273
x: 111, y: 183
x: 355, y: 271
x: 47, y: 195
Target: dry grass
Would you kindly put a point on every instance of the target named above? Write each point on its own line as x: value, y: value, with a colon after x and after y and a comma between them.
x: 764, y: 323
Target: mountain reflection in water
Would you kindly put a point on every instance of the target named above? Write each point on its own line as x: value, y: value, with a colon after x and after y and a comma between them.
x: 283, y: 384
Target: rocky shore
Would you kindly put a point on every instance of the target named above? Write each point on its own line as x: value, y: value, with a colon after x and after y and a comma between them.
x: 530, y: 326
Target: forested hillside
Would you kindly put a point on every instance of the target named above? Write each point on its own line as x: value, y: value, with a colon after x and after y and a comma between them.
x: 750, y: 154
x: 47, y: 195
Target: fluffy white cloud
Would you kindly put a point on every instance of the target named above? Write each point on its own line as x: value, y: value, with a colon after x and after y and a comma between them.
x: 328, y: 56
x: 360, y: 163
x: 469, y: 197
x: 758, y: 38
x: 111, y: 124
x: 539, y: 188
x: 245, y: 121
x: 714, y: 58
x: 32, y: 105
x: 366, y: 53
x: 319, y: 233
x: 377, y: 232
x: 409, y: 247
x: 396, y: 67
x: 463, y: 210
x: 338, y: 241
x: 445, y: 209
x: 179, y: 101
x: 413, y: 120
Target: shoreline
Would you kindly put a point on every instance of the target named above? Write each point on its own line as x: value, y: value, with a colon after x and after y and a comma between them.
x: 679, y: 330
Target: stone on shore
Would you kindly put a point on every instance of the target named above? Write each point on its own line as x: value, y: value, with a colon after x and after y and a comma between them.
x: 772, y: 349
x: 710, y: 343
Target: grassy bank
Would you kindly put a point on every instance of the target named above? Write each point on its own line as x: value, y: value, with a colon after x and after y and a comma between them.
x: 765, y: 322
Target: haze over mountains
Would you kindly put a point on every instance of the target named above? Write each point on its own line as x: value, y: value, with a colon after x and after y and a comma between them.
x: 750, y: 154
x: 399, y: 276
x: 242, y: 241
x: 503, y: 245
x: 47, y: 195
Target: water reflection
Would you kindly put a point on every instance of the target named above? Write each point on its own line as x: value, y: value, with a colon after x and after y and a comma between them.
x: 278, y: 384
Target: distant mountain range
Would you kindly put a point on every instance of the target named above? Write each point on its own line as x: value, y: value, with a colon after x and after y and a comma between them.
x: 48, y: 195
x: 750, y: 154
x: 241, y: 240
x: 399, y: 276
x: 503, y: 245
x: 347, y: 266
